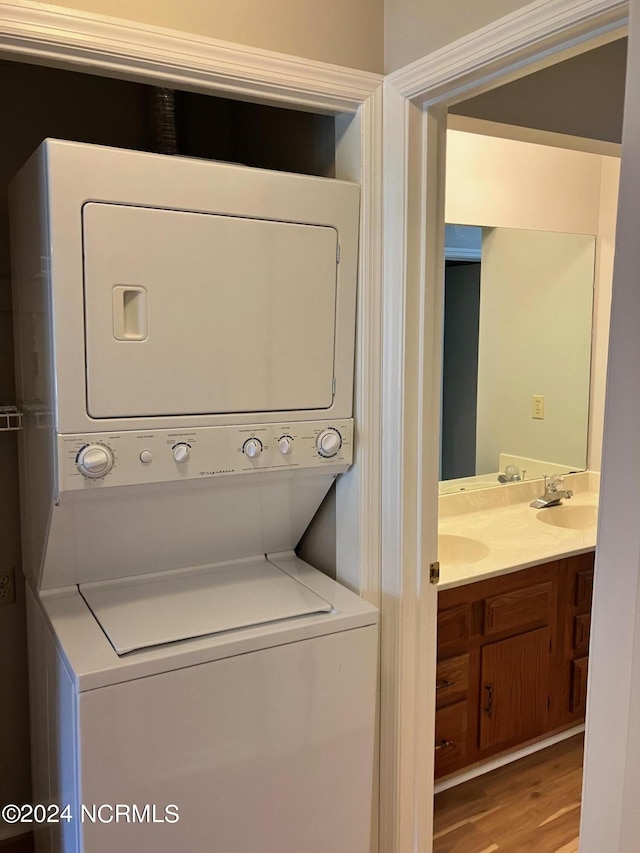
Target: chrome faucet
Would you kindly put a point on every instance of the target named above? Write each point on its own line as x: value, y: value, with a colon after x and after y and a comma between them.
x: 511, y: 475
x: 553, y: 493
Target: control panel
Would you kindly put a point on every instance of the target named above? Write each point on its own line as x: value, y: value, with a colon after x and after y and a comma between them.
x: 158, y: 456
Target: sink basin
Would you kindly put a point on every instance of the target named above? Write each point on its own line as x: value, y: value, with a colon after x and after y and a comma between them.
x: 570, y: 517
x: 460, y: 549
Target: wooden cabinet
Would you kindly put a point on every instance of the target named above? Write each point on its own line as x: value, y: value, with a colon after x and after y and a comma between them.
x: 512, y: 660
x: 451, y: 738
x: 452, y: 680
x: 452, y: 687
x: 514, y: 686
x: 575, y: 620
x: 578, y: 701
x: 527, y: 606
x: 453, y: 624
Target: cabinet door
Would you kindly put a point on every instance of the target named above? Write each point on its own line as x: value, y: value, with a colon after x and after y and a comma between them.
x: 515, y: 682
x: 583, y: 591
x: 578, y: 698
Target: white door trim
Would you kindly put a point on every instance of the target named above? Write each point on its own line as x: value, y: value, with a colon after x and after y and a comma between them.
x: 75, y: 40
x: 415, y: 101
x: 114, y: 47
x: 514, y: 43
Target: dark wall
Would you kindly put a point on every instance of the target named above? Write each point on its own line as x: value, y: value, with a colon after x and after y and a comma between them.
x: 460, y: 370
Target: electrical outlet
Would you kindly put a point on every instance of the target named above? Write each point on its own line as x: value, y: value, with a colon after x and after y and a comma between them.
x: 8, y: 586
x: 537, y: 406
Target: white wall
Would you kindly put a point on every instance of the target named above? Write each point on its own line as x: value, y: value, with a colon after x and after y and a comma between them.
x: 512, y: 184
x: 348, y: 33
x: 610, y: 813
x: 503, y: 182
x: 602, y: 304
x: 535, y: 338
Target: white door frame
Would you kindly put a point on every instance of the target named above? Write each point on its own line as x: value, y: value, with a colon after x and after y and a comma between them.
x: 76, y: 40
x: 415, y: 102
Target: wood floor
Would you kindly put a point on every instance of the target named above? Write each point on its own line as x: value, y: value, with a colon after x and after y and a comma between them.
x: 530, y: 805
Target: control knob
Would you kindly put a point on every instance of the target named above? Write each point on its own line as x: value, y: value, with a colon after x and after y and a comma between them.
x: 285, y: 444
x: 252, y: 447
x: 328, y: 442
x: 95, y: 460
x: 181, y: 451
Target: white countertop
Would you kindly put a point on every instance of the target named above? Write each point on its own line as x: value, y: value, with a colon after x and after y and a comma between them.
x: 507, y: 534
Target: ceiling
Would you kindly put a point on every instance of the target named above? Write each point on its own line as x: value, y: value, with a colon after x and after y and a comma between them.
x: 583, y: 96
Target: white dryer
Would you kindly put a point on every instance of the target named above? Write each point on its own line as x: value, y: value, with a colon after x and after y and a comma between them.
x: 185, y: 341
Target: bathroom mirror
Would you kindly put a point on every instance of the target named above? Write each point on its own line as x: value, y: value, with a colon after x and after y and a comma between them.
x: 517, y: 355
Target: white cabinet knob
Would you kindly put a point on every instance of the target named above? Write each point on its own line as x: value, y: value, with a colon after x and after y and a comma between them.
x: 181, y: 451
x: 95, y: 460
x: 329, y: 442
x: 252, y: 447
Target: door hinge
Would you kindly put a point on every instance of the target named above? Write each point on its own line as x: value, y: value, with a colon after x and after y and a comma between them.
x: 434, y: 572
x: 338, y: 253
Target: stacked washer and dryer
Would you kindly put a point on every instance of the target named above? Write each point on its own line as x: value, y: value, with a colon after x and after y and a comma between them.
x: 185, y: 347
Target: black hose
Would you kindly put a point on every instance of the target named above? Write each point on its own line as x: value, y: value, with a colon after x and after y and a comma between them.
x: 162, y: 115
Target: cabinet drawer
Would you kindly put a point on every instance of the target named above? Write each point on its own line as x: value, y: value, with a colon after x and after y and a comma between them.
x: 578, y: 697
x: 453, y: 624
x: 583, y: 588
x: 522, y: 608
x: 581, y: 631
x: 452, y: 680
x: 451, y: 738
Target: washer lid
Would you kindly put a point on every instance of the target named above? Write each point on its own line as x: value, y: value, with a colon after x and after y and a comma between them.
x: 145, y: 611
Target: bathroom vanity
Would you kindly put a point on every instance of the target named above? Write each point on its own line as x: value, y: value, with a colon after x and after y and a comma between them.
x: 513, y: 620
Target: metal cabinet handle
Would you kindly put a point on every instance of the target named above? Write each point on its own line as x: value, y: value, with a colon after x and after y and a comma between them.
x: 444, y: 684
x: 489, y: 706
x: 443, y: 745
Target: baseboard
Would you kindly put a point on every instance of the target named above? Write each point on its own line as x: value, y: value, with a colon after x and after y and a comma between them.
x: 507, y: 758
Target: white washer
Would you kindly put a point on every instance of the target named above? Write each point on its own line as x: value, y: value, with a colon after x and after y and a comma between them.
x: 185, y: 341
x: 259, y: 738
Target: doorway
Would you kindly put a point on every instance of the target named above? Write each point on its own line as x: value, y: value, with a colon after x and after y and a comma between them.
x: 422, y: 116
x: 537, y: 286
x: 521, y: 339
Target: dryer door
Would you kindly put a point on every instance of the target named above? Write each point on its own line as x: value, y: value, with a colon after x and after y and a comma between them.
x: 192, y: 313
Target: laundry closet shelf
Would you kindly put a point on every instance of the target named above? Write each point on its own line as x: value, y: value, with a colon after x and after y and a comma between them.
x: 10, y: 419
